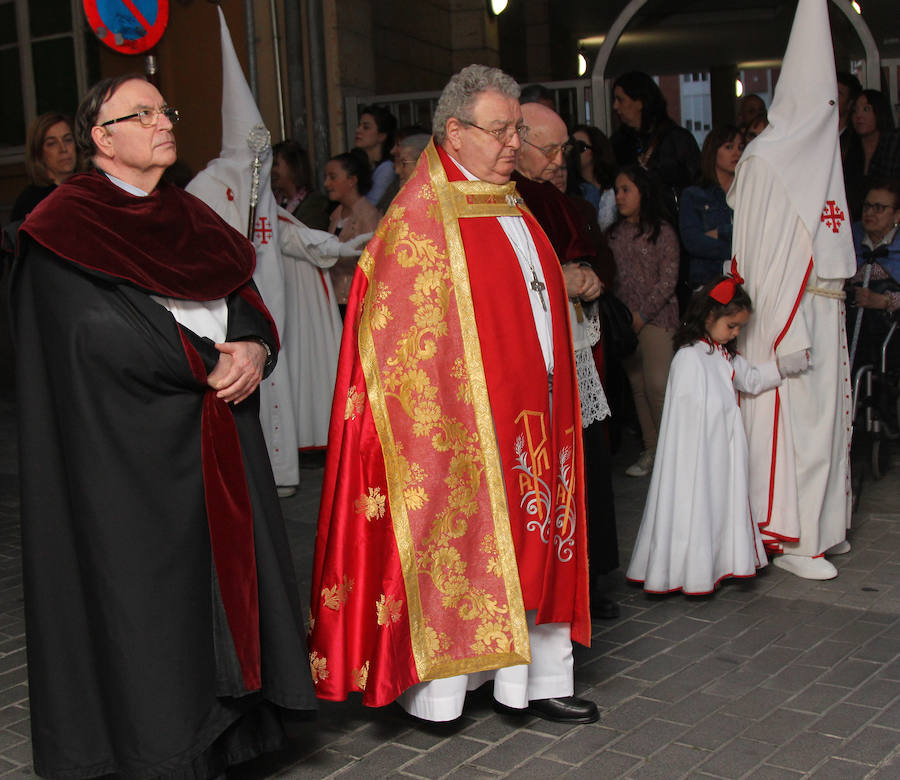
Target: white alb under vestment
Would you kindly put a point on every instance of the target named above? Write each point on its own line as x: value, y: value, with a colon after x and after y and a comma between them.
x: 549, y: 675
x: 792, y: 245
x: 311, y: 340
x: 697, y: 529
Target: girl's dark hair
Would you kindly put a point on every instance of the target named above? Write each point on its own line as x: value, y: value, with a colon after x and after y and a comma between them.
x: 716, y: 138
x: 386, y: 123
x: 884, y: 117
x: 693, y: 328
x: 356, y: 163
x: 604, y: 158
x: 639, y: 86
x: 653, y: 212
x: 296, y: 159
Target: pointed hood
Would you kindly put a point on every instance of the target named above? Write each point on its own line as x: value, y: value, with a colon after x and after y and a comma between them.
x: 225, y: 183
x: 801, y: 142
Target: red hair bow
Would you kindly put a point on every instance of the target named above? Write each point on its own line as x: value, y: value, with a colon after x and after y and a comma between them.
x: 723, y: 292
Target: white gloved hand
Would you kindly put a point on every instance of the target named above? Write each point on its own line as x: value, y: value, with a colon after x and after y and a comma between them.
x: 794, y: 363
x: 354, y: 247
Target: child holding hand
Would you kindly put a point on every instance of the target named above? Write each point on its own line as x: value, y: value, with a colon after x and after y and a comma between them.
x: 696, y: 529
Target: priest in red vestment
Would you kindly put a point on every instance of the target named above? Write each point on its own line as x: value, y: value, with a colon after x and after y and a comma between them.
x: 451, y: 547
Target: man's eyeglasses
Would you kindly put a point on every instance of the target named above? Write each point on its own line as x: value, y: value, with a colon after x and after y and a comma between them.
x: 582, y: 146
x: 148, y: 117
x: 502, y: 134
x: 878, y: 208
x: 550, y: 152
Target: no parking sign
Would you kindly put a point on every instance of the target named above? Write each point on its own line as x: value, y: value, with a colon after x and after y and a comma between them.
x: 128, y: 26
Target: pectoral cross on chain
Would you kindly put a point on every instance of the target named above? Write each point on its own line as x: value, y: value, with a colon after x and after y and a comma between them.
x: 538, y: 286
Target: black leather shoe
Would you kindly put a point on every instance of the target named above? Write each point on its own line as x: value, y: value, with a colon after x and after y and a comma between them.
x: 604, y: 608
x: 568, y: 709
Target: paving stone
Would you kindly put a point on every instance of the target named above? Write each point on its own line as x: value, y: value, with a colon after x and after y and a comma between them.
x: 795, y: 678
x: 837, y: 769
x: 682, y: 627
x: 631, y: 714
x: 804, y: 751
x: 539, y: 767
x: 443, y: 758
x: 698, y: 646
x: 767, y: 772
x: 511, y: 752
x: 827, y: 653
x: 737, y: 758
x: 379, y: 763
x: 627, y: 631
x: 648, y: 738
x: 890, y: 717
x: 779, y: 726
x: 671, y: 761
x: 713, y: 731
x: 643, y: 648
x: 805, y: 636
x: 607, y: 764
x: 881, y: 649
x: 756, y: 703
x: 470, y: 773
x: 851, y: 673
x: 816, y: 698
x: 658, y: 668
x: 617, y: 690
x: 692, y: 709
x: 737, y: 683
x: 580, y: 744
x: 877, y: 692
x: 872, y: 745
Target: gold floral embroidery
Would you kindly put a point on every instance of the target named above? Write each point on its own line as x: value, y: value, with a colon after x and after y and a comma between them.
x: 492, y: 637
x: 335, y: 597
x: 463, y: 389
x: 361, y: 676
x: 388, y: 609
x: 437, y: 643
x: 381, y: 314
x: 489, y: 548
x: 318, y: 665
x: 310, y: 621
x: 355, y: 401
x: 371, y: 505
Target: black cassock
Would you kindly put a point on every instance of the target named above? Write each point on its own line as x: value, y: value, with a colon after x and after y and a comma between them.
x: 133, y: 655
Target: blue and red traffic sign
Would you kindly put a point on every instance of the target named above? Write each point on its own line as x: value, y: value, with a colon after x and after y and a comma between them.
x: 128, y: 26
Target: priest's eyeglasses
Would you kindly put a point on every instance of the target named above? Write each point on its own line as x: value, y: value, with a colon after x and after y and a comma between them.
x: 878, y: 208
x: 502, y: 134
x: 148, y: 117
x: 550, y: 152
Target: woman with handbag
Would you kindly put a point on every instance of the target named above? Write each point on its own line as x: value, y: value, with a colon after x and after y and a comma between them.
x: 646, y: 251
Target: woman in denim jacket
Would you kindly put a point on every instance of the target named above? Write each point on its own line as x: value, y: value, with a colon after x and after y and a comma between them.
x: 705, y: 219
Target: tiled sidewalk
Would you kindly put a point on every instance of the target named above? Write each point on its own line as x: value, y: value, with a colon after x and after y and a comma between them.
x: 775, y: 677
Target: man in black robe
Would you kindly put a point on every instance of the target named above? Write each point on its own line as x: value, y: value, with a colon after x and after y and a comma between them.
x: 163, y: 625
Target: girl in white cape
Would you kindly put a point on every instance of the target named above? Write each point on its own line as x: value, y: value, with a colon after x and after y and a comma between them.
x: 696, y: 529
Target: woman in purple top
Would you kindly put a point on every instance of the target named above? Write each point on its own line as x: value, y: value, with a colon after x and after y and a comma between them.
x: 646, y: 251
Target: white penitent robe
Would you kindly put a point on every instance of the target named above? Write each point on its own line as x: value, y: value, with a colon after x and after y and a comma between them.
x: 799, y: 433
x: 696, y: 529
x: 311, y: 340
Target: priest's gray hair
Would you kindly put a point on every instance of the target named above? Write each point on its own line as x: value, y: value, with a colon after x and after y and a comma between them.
x: 461, y: 92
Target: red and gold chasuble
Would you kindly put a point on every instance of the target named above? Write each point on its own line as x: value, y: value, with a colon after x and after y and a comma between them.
x: 453, y: 497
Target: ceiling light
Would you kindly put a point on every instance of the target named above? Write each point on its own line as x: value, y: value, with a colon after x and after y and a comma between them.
x: 855, y: 6
x: 582, y: 64
x: 497, y: 7
x: 738, y: 88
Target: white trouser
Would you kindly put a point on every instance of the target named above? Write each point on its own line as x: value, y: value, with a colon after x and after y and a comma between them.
x: 549, y: 675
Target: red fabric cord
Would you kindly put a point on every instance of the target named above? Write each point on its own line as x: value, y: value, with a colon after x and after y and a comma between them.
x: 230, y: 518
